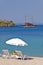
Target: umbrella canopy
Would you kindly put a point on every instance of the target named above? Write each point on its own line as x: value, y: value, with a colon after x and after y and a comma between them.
x: 17, y: 42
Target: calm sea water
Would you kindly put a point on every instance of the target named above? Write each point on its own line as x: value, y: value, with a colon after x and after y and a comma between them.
x: 32, y: 36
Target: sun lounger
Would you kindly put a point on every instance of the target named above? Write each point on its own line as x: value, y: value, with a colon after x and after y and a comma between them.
x: 13, y: 56
x: 18, y: 54
x: 22, y: 56
x: 5, y: 54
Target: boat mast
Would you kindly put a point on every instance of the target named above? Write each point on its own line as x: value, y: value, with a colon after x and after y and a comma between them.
x: 25, y: 19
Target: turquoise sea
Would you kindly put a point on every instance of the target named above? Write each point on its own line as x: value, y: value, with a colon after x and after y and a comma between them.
x: 32, y: 36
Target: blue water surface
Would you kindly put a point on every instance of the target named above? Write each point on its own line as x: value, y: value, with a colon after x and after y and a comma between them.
x: 32, y: 36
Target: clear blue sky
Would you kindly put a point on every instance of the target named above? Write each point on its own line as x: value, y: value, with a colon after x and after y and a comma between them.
x: 16, y: 10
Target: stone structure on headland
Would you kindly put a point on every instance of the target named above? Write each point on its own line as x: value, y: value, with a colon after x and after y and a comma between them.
x: 6, y: 23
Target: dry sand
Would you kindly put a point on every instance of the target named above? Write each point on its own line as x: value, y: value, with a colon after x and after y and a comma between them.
x: 34, y: 61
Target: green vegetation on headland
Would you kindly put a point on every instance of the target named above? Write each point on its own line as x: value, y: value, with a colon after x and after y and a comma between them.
x: 6, y: 23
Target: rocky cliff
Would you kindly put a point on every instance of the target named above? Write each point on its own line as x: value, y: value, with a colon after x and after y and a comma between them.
x: 6, y: 23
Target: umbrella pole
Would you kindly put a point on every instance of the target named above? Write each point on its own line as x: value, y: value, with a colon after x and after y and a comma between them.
x: 16, y: 48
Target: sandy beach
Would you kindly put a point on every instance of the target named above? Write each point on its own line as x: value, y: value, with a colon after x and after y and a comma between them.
x: 34, y: 61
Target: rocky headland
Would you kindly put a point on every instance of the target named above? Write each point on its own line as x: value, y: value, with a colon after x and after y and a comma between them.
x: 6, y: 23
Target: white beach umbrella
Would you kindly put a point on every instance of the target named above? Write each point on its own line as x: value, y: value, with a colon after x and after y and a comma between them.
x: 17, y: 42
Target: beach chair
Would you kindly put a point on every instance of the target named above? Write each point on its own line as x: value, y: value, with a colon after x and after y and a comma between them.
x: 19, y: 54
x: 14, y: 57
x: 16, y: 54
x: 5, y: 54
